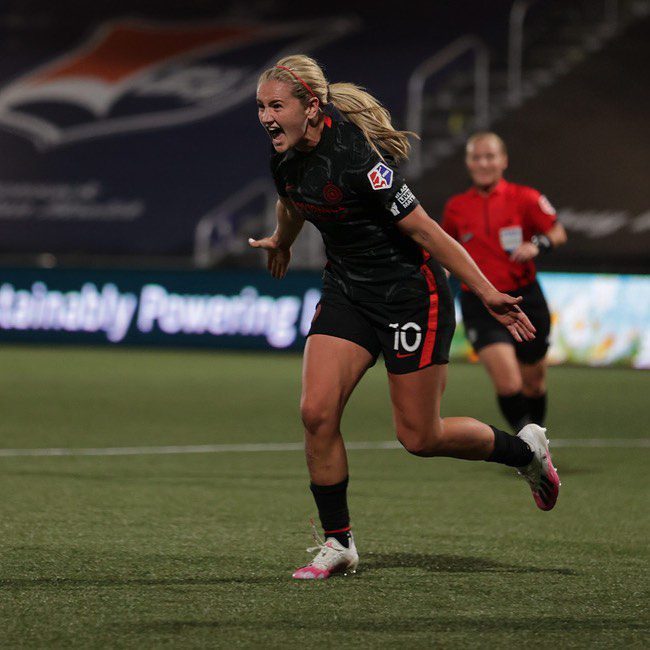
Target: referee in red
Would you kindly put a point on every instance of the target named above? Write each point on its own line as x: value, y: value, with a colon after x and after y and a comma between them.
x: 504, y: 227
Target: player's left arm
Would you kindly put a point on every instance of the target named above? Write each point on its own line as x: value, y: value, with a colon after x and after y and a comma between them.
x: 418, y: 225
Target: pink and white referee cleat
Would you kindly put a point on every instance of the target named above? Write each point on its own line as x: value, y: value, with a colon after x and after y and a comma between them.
x: 332, y: 559
x: 539, y: 473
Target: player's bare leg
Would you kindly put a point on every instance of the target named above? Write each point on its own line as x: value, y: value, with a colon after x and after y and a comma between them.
x: 332, y: 368
x: 416, y: 401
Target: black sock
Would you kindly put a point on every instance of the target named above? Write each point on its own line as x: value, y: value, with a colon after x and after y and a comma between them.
x: 332, y: 504
x: 537, y: 409
x: 509, y: 450
x: 515, y: 409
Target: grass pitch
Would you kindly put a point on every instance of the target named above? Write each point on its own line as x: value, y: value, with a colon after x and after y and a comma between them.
x: 196, y: 550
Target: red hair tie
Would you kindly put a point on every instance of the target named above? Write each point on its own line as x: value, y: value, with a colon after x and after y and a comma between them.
x: 293, y: 74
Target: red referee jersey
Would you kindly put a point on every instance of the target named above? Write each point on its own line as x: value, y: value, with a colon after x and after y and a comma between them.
x: 490, y: 227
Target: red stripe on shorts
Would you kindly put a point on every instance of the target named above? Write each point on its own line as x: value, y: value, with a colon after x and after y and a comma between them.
x: 432, y: 321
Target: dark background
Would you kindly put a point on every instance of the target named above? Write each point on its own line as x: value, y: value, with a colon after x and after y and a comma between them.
x: 582, y: 140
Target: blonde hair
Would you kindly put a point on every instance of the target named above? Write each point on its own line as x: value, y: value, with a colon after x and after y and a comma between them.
x: 307, y: 80
x: 483, y: 135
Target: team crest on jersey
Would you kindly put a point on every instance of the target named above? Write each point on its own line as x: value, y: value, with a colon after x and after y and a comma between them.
x: 136, y: 75
x: 332, y: 193
x: 380, y: 176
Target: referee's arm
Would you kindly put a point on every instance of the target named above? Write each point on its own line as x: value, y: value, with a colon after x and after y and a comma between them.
x: 556, y: 235
x: 540, y: 244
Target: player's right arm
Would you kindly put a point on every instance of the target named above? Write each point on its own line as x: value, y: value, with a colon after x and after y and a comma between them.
x: 448, y: 252
x: 278, y: 245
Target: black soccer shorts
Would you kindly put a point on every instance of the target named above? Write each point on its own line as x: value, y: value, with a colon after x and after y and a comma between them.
x: 483, y: 329
x: 411, y: 335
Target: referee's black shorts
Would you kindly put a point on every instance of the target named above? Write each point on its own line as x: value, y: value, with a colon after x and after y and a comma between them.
x: 412, y: 334
x: 482, y: 329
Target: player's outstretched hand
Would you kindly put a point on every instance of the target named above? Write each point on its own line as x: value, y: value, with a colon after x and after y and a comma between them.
x: 278, y: 259
x: 506, y: 310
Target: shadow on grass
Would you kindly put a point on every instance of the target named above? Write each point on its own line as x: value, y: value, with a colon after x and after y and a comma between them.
x: 400, y: 624
x: 371, y: 562
x: 450, y: 564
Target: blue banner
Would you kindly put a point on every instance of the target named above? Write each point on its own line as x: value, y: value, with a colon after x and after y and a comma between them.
x: 225, y: 309
x: 597, y: 320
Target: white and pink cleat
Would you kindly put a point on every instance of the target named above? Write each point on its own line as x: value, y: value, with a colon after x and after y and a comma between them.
x: 333, y: 558
x: 539, y: 473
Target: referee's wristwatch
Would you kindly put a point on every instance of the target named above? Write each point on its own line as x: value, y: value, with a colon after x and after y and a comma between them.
x: 543, y: 243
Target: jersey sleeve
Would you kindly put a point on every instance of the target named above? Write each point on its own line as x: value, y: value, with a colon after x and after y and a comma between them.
x: 540, y: 214
x: 278, y: 178
x: 448, y: 223
x: 378, y: 182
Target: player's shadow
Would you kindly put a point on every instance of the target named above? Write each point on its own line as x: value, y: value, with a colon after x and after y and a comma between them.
x: 450, y: 564
x: 371, y: 562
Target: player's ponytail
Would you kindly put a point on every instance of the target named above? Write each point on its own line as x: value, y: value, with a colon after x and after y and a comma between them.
x: 361, y: 108
x: 307, y: 80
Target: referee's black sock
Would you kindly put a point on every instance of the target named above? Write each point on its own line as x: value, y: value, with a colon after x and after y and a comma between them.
x: 332, y: 504
x: 515, y: 409
x: 509, y: 450
x: 537, y: 409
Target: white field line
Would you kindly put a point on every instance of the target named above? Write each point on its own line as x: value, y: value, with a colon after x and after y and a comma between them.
x: 606, y: 443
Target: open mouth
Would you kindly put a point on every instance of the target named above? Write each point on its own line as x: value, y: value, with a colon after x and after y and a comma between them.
x: 275, y: 132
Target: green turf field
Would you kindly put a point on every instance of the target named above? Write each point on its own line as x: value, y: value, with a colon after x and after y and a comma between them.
x: 196, y: 550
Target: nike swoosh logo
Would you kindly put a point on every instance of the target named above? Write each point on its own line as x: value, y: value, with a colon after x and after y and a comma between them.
x: 403, y: 356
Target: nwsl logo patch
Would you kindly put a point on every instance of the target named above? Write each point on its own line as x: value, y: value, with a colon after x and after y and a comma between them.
x: 135, y: 75
x: 380, y: 176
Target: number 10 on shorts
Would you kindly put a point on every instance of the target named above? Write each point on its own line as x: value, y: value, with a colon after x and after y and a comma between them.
x: 403, y: 334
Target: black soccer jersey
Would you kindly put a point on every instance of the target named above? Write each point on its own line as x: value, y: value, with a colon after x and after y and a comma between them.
x: 355, y: 199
